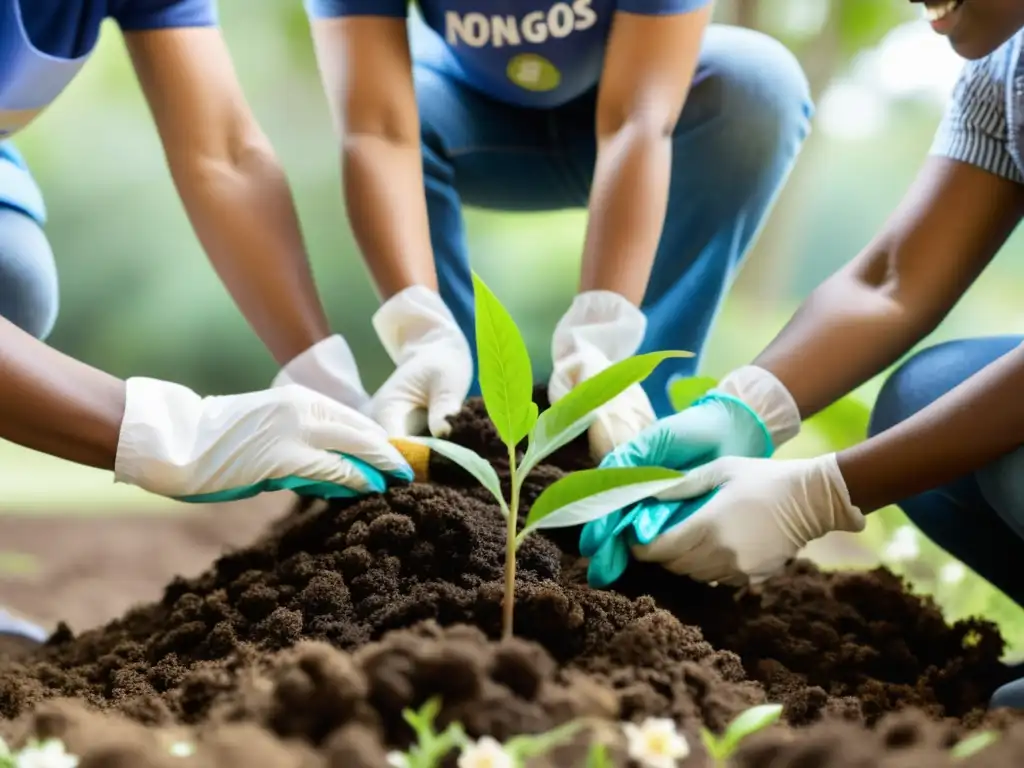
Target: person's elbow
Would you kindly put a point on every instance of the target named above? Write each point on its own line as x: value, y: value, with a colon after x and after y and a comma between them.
x: 888, y: 276
x: 240, y: 155
x: 388, y: 123
x: 652, y: 122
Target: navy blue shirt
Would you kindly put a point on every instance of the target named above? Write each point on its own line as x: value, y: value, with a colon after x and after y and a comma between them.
x: 534, y: 53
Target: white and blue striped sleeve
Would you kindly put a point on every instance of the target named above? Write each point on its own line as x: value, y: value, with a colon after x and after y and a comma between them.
x: 975, y: 128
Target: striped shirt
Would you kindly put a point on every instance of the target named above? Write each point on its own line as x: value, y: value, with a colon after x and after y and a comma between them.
x: 984, y: 123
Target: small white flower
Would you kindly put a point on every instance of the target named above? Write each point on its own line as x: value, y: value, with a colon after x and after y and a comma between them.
x: 398, y: 759
x: 952, y: 572
x: 656, y: 743
x: 48, y: 754
x: 182, y: 749
x: 903, y: 545
x: 485, y: 753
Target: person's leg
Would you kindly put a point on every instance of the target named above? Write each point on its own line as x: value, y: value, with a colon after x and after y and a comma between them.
x: 28, y: 275
x: 741, y: 129
x: 976, y: 521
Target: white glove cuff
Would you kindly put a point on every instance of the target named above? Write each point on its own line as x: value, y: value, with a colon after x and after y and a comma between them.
x: 768, y: 398
x: 599, y: 321
x: 846, y: 517
x: 158, y: 437
x: 411, y: 317
x: 322, y: 367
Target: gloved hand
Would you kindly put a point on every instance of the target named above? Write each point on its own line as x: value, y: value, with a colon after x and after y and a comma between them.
x: 329, y: 368
x: 435, y: 365
x: 599, y: 329
x: 750, y: 413
x: 201, y: 449
x: 755, y: 515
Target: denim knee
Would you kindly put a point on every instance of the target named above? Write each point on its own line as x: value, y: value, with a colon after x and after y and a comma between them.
x: 28, y: 276
x: 759, y: 95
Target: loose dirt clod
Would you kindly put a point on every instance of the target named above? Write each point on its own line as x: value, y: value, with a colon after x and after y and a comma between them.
x: 304, y: 648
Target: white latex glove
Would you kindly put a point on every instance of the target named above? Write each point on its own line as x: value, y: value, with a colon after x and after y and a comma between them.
x: 175, y: 443
x: 601, y: 328
x: 434, y: 364
x: 329, y: 368
x: 764, y: 512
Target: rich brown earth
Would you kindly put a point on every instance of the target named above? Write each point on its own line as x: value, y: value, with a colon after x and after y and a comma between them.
x: 304, y: 648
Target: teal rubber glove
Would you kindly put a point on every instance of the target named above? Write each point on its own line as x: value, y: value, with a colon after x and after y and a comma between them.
x: 209, y: 449
x: 716, y: 425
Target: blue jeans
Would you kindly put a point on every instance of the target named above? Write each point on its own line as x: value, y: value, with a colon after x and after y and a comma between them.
x: 739, y: 134
x: 979, y: 518
x: 28, y: 275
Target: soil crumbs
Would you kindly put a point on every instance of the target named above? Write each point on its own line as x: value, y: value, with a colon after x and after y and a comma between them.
x: 304, y: 649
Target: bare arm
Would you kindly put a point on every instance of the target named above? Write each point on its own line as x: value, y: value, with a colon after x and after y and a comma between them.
x: 867, y: 315
x: 366, y: 69
x: 965, y: 429
x: 231, y: 184
x: 52, y: 403
x: 648, y: 69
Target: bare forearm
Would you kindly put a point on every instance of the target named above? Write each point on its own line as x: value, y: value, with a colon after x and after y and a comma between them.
x: 845, y: 333
x: 52, y: 403
x: 388, y: 211
x: 244, y: 215
x: 967, y: 428
x: 627, y: 211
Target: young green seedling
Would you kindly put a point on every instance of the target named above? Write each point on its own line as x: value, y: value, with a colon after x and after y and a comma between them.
x: 431, y: 747
x: 973, y: 744
x: 506, y: 383
x: 721, y: 748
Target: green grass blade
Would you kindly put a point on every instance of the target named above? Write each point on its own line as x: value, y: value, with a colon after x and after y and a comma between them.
x: 751, y: 721
x: 469, y: 460
x: 570, y: 416
x: 592, y: 493
x: 506, y: 378
x: 973, y: 744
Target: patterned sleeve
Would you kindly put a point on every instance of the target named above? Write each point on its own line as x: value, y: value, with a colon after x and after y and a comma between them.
x: 138, y: 15
x: 332, y: 9
x: 975, y: 128
x: 661, y: 7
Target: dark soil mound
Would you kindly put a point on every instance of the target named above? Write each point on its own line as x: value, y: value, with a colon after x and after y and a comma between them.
x: 293, y: 635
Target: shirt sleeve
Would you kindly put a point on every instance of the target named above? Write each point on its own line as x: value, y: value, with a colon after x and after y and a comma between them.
x: 661, y: 7
x: 975, y: 128
x: 139, y: 15
x: 333, y: 9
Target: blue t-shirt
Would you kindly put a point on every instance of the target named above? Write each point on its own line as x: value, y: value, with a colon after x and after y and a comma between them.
x: 533, y: 53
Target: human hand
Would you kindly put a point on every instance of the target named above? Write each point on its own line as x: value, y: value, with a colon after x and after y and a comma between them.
x: 203, y: 449
x: 725, y: 422
x: 747, y: 517
x: 434, y: 364
x: 328, y: 367
x: 599, y: 329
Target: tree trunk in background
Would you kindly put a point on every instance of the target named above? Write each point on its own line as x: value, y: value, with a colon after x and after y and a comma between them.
x: 767, y: 273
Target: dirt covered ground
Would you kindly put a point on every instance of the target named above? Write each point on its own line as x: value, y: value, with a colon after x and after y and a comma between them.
x: 303, y: 648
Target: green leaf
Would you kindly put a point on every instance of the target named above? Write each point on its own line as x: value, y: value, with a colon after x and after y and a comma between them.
x: 712, y: 744
x: 684, y: 392
x: 751, y: 721
x: 597, y: 756
x: 570, y: 416
x: 506, y: 379
x: 534, y: 745
x: 469, y: 460
x: 973, y: 744
x: 592, y: 493
x: 842, y: 424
